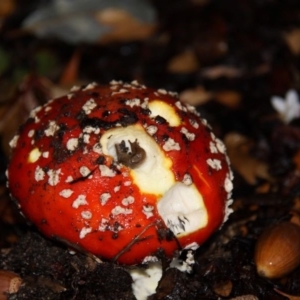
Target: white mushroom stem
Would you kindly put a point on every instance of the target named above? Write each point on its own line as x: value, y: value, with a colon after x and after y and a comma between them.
x: 145, y: 280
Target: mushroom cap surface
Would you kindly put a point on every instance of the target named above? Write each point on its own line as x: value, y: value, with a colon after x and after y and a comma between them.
x: 121, y: 171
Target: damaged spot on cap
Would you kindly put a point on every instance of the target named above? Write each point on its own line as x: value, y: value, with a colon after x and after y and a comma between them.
x: 34, y: 155
x: 153, y: 174
x: 132, y: 157
x: 162, y: 109
x: 182, y: 209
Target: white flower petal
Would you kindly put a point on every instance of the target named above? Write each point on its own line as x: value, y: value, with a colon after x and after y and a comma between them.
x: 288, y: 108
x: 292, y: 98
x: 278, y: 104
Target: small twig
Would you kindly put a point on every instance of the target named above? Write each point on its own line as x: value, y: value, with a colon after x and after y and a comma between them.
x: 135, y: 240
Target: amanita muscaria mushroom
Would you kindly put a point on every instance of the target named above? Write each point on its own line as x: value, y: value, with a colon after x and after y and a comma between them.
x: 121, y: 171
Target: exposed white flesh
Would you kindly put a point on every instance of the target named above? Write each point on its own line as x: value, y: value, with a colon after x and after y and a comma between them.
x: 154, y: 174
x: 182, y: 209
x: 34, y: 155
x: 160, y: 108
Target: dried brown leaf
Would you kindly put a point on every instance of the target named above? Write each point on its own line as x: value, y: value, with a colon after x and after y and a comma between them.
x: 9, y: 124
x: 250, y: 168
x: 221, y: 71
x: 290, y: 297
x: 196, y: 96
x: 33, y: 91
x: 185, y: 62
x: 245, y: 297
x: 292, y: 39
x: 9, y: 283
x: 70, y: 73
x: 48, y: 282
x: 124, y: 27
x: 223, y: 288
x: 296, y: 159
x: 7, y: 7
x: 228, y: 98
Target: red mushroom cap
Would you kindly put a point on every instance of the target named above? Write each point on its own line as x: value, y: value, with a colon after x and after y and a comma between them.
x: 121, y: 171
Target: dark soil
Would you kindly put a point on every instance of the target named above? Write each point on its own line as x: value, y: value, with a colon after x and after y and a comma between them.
x: 246, y: 37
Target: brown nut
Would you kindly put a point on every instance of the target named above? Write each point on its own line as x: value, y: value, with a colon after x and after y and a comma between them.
x: 277, y: 251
